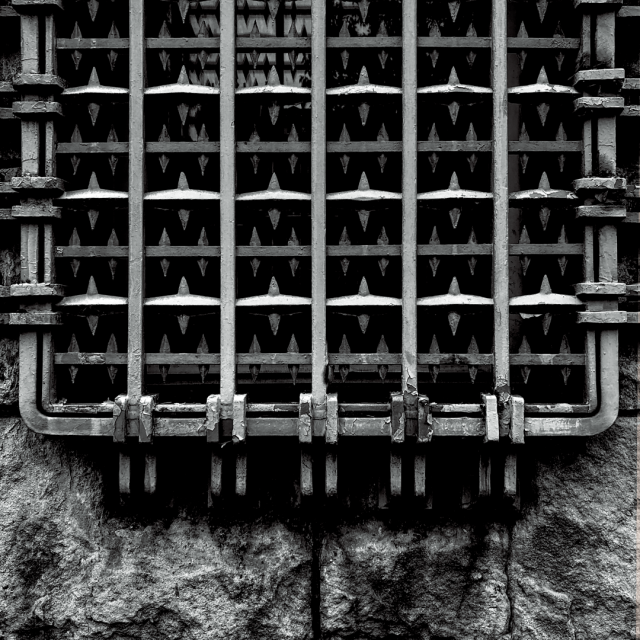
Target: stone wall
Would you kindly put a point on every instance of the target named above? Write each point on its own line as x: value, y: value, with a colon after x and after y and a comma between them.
x: 76, y: 564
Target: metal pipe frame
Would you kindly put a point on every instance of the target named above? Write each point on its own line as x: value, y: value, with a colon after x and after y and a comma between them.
x: 36, y: 357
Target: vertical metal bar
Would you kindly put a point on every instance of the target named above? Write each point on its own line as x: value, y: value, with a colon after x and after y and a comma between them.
x: 318, y: 209
x: 227, y: 207
x: 135, y: 361
x: 409, y: 209
x: 500, y: 200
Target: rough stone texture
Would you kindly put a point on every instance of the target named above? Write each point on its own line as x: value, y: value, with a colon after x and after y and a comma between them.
x: 74, y: 564
x: 564, y: 568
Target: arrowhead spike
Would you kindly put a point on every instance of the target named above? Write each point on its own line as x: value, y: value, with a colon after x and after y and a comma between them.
x: 183, y: 289
x: 203, y: 241
x: 546, y: 323
x: 454, y: 288
x: 543, y: 111
x: 74, y: 240
x: 92, y: 290
x: 364, y: 218
x: 471, y: 134
x: 542, y: 77
x: 273, y: 79
x: 453, y: 77
x: 364, y: 76
x: 364, y: 183
x: 274, y: 216
x: 183, y: 323
x: 76, y: 34
x: 73, y: 345
x: 455, y: 214
x: 433, y: 134
x: 274, y: 185
x: 545, y: 287
x: 93, y: 182
x: 544, y: 182
x: 383, y: 136
x: 363, y: 321
x: 93, y: 323
x: 93, y: 79
x: 454, y: 185
x: 454, y: 321
x: 454, y: 109
x: 471, y: 31
x: 364, y: 288
x: 454, y: 7
x: 164, y: 239
x: 561, y: 135
x: 182, y: 182
x: 522, y: 32
x: 112, y: 346
x: 344, y: 135
x: 344, y: 31
x: 184, y: 214
x: 545, y: 214
x: 113, y: 239
x: 363, y: 110
x: 75, y: 136
x: 274, y: 289
x: 274, y: 322
x: 293, y: 134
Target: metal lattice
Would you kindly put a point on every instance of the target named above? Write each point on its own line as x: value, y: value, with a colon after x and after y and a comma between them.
x: 296, y: 218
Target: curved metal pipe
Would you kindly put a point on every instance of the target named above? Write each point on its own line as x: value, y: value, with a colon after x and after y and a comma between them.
x: 576, y: 425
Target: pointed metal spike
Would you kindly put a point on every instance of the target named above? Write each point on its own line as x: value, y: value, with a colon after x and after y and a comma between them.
x: 454, y: 215
x: 471, y: 31
x: 453, y: 77
x: 472, y: 261
x: 344, y: 56
x: 293, y: 348
x: 454, y: 7
x: 363, y: 216
x: 344, y: 30
x: 363, y: 110
x: 293, y: 242
x: 92, y: 321
x: 364, y: 183
x: 75, y: 163
x: 434, y: 369
x: 383, y: 56
x: 274, y: 322
x: 473, y: 349
x: 183, y: 7
x: 274, y: 112
x: 274, y: 289
x: 434, y: 261
x: 543, y: 111
x: 545, y: 213
x: 344, y: 161
x: 546, y: 322
x: 363, y: 6
x: 93, y: 9
x: 255, y: 160
x: 203, y: 160
x: 183, y: 112
x: 274, y: 216
x: 434, y: 29
x: 92, y: 290
x: 363, y: 321
x: 165, y: 60
x: 454, y: 109
x: 164, y: 161
x: 113, y: 161
x: 273, y: 80
x: 94, y: 110
x: 293, y: 134
x: 471, y: 134
x: 183, y: 323
x: 75, y: 136
x: 433, y: 161
x: 471, y: 58
x: 472, y: 160
x: 524, y: 161
x: 383, y: 369
x: 293, y: 161
x: 184, y: 214
x: 76, y: 56
x: 344, y: 349
x: 559, y: 60
x: 76, y: 34
x: 433, y: 134
x: 454, y: 287
x: 383, y: 136
x: 545, y: 287
x: 454, y: 321
x: 73, y: 345
x: 542, y: 8
x: 562, y: 260
x: 112, y: 56
x: 434, y: 55
x: 274, y: 185
x: 364, y: 288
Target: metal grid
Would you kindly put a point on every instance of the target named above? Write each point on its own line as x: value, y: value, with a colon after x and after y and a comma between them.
x: 373, y: 216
